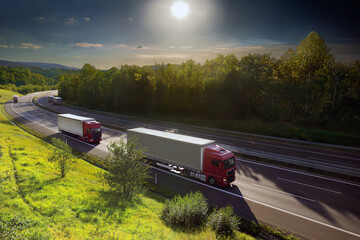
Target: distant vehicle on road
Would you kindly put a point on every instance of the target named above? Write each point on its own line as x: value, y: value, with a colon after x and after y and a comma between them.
x: 191, y: 156
x: 84, y: 128
x: 57, y: 100
x: 15, y: 98
x: 50, y: 98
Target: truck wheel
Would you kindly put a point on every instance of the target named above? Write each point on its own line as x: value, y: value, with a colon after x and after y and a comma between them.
x: 212, y: 181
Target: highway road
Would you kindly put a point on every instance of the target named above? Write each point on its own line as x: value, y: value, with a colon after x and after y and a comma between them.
x: 338, y: 159
x: 308, y: 205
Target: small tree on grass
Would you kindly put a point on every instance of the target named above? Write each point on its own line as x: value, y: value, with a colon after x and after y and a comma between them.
x: 62, y: 155
x: 126, y: 175
x: 223, y: 221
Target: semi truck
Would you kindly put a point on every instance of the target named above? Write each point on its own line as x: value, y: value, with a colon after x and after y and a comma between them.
x: 84, y: 128
x: 57, y: 100
x: 191, y: 156
x: 15, y: 98
x: 50, y: 98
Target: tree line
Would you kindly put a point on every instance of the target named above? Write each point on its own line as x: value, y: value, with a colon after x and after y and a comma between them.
x: 26, y: 80
x: 305, y: 83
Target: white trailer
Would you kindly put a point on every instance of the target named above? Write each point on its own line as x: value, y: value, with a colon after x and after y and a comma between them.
x: 180, y: 150
x: 191, y: 156
x: 72, y: 123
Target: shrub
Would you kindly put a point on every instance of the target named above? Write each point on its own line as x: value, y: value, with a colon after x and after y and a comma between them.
x: 223, y: 221
x: 188, y: 211
x: 277, y: 233
x: 249, y: 227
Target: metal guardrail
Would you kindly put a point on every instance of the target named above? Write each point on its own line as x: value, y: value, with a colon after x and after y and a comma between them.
x: 330, y: 167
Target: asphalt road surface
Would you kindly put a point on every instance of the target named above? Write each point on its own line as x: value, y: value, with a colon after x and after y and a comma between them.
x: 318, y: 156
x: 308, y: 205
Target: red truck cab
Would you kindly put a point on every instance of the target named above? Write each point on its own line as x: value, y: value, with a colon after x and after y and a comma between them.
x: 92, y: 131
x: 15, y: 98
x: 219, y: 165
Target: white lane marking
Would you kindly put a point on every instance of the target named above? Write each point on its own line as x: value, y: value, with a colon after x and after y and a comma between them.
x: 7, y: 118
x: 260, y: 203
x: 29, y: 118
x: 329, y: 161
x: 303, y: 173
x: 287, y: 180
x: 293, y: 195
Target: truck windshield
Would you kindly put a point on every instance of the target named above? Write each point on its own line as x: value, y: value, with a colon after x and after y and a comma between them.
x: 94, y: 130
x: 228, y: 163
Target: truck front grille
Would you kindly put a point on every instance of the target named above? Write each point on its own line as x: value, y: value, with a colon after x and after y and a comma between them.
x: 231, y: 179
x: 96, y: 136
x: 231, y: 172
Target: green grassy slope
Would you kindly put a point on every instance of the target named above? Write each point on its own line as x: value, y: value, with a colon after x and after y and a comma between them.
x: 36, y: 203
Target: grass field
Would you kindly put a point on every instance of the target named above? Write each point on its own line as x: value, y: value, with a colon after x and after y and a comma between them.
x: 35, y: 203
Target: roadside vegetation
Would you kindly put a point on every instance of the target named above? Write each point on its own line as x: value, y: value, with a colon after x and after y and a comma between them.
x: 61, y: 154
x: 36, y: 203
x: 126, y: 173
x: 304, y: 94
x: 192, y: 212
x: 187, y: 212
x: 27, y: 80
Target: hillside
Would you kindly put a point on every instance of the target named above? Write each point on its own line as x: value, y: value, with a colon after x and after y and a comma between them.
x: 35, y: 203
x: 35, y: 65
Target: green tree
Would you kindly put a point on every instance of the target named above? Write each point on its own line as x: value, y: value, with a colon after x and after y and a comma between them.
x: 290, y: 91
x: 312, y: 54
x: 126, y: 174
x: 61, y: 154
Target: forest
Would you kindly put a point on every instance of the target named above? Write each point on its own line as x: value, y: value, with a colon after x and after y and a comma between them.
x: 305, y: 86
x: 26, y: 80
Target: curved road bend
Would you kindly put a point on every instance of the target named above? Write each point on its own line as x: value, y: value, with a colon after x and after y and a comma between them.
x: 313, y: 207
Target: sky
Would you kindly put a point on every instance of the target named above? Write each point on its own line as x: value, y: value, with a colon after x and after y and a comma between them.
x: 111, y: 33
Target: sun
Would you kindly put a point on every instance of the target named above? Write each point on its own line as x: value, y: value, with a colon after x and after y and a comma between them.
x: 180, y: 10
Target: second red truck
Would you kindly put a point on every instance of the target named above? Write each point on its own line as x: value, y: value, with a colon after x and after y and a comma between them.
x: 84, y: 128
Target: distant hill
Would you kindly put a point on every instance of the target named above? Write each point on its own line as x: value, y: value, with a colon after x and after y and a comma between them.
x: 35, y: 65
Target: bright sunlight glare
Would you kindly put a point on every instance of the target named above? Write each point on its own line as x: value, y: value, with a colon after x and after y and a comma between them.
x: 180, y: 10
